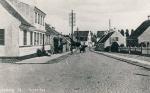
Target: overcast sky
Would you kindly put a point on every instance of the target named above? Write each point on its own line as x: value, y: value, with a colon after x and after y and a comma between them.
x: 94, y: 14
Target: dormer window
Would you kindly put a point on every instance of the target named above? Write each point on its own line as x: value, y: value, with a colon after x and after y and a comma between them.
x: 2, y: 37
x: 39, y: 19
x: 36, y: 14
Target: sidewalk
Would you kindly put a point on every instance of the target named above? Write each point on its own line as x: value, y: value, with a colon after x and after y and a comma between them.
x: 44, y: 59
x: 121, y: 57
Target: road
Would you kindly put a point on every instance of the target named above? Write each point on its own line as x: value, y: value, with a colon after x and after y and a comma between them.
x: 79, y: 73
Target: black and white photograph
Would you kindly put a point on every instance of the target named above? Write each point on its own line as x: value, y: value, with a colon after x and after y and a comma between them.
x: 74, y: 46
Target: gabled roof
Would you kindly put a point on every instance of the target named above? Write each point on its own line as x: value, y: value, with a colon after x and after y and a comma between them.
x: 100, y: 33
x: 50, y: 30
x: 105, y: 37
x: 9, y: 7
x: 67, y: 38
x: 140, y: 30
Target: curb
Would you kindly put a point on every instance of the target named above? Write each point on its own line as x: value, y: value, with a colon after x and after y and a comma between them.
x: 61, y: 56
x: 139, y: 63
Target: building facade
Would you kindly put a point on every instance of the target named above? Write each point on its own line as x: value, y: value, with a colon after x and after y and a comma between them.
x: 22, y: 29
x: 84, y: 37
x: 109, y: 38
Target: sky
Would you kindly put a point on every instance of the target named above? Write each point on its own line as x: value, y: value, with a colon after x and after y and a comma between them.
x: 94, y: 15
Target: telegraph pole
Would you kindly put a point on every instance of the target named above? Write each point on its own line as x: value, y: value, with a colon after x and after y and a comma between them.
x: 109, y: 32
x: 109, y: 25
x: 72, y: 24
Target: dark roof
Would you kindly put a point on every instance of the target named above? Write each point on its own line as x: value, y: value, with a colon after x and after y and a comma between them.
x: 100, y: 33
x: 81, y: 33
x: 140, y: 30
x: 50, y: 30
x: 105, y: 37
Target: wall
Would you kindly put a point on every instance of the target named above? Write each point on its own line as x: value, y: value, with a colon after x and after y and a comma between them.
x: 31, y: 50
x: 121, y: 39
x: 10, y: 24
x: 145, y: 36
x: 107, y: 43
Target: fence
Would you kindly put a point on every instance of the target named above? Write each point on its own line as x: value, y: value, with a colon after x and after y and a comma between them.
x: 135, y: 50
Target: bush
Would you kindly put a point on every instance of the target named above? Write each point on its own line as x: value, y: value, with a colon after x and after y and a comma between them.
x: 122, y: 45
x: 107, y: 49
x: 44, y: 53
x: 114, y: 47
x: 78, y: 44
x: 39, y: 52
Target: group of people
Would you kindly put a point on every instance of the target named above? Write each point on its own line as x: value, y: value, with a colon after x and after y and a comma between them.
x: 82, y: 48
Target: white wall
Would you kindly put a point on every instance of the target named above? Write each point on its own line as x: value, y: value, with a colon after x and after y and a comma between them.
x: 31, y: 50
x: 107, y: 43
x: 145, y: 37
x: 10, y: 24
x: 121, y: 39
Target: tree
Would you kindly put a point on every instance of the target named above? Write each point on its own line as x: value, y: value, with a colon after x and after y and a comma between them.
x: 127, y: 33
x: 132, y: 31
x: 122, y: 45
x: 114, y: 47
x: 122, y: 32
x: 94, y: 38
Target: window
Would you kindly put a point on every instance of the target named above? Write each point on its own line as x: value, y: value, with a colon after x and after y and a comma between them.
x: 41, y: 20
x: 37, y: 38
x: 31, y: 38
x: 36, y: 17
x: 2, y: 37
x: 114, y: 39
x: 41, y: 38
x: 34, y: 38
x: 25, y: 37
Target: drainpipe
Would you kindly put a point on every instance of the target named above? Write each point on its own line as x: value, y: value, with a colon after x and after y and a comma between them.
x: 43, y: 48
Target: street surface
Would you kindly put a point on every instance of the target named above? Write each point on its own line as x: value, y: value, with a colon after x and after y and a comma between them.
x: 78, y: 73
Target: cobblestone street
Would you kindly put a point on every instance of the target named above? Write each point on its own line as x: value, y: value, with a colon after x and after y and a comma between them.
x: 78, y: 73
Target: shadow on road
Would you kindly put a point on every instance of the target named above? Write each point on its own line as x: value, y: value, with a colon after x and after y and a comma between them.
x: 141, y: 75
x: 53, y: 61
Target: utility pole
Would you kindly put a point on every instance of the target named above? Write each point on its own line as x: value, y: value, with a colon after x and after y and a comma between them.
x: 77, y: 34
x: 109, y: 32
x: 72, y: 24
x: 109, y: 25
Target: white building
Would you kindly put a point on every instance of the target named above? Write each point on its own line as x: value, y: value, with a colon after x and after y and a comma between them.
x: 22, y: 29
x: 119, y: 38
x: 89, y: 40
x: 109, y: 38
x: 84, y: 37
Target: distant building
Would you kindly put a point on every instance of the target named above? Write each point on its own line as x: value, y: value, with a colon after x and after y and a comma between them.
x: 109, y: 38
x: 67, y: 43
x: 84, y: 37
x: 22, y: 29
